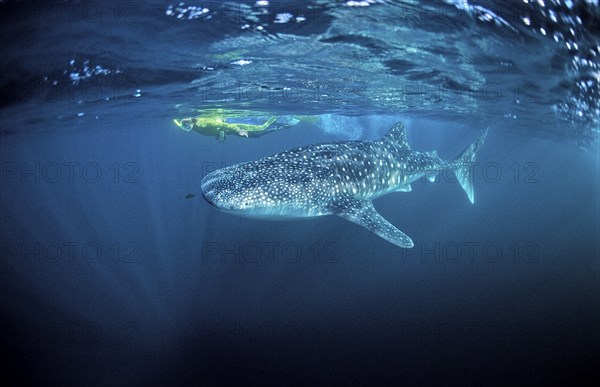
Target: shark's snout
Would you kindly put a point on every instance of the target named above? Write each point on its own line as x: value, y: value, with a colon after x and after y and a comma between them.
x: 210, y: 191
x: 218, y: 189
x: 209, y: 196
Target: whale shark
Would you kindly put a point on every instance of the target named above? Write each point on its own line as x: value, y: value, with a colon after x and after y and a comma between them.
x: 338, y: 178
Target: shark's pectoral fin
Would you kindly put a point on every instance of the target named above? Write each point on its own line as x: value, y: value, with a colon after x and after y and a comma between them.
x: 364, y: 214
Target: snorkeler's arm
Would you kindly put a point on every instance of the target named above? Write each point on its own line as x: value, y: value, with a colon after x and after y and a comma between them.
x: 251, y: 127
x: 269, y: 122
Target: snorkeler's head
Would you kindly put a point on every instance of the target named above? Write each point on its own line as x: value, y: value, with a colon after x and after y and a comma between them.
x: 185, y: 124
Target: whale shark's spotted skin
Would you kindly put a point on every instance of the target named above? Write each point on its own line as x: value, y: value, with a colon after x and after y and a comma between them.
x: 334, y: 178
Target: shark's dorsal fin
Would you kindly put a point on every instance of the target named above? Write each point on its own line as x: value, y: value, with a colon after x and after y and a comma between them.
x: 397, y: 135
x: 364, y: 214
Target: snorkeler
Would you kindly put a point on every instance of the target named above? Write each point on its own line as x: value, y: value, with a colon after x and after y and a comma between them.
x: 218, y: 127
x: 214, y: 123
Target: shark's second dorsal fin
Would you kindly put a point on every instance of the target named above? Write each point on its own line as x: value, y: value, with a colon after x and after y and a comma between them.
x: 397, y: 135
x: 363, y: 213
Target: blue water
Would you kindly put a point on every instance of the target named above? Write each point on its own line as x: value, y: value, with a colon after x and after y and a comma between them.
x: 110, y: 276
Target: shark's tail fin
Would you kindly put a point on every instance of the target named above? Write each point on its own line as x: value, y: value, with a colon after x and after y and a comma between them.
x: 464, y: 166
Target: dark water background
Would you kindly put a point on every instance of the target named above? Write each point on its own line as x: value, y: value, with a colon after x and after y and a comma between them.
x: 108, y: 276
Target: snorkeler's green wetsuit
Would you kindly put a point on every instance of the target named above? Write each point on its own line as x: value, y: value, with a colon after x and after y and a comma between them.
x: 217, y: 126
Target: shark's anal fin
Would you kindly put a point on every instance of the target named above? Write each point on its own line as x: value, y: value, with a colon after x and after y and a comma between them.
x: 364, y: 214
x: 431, y: 177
